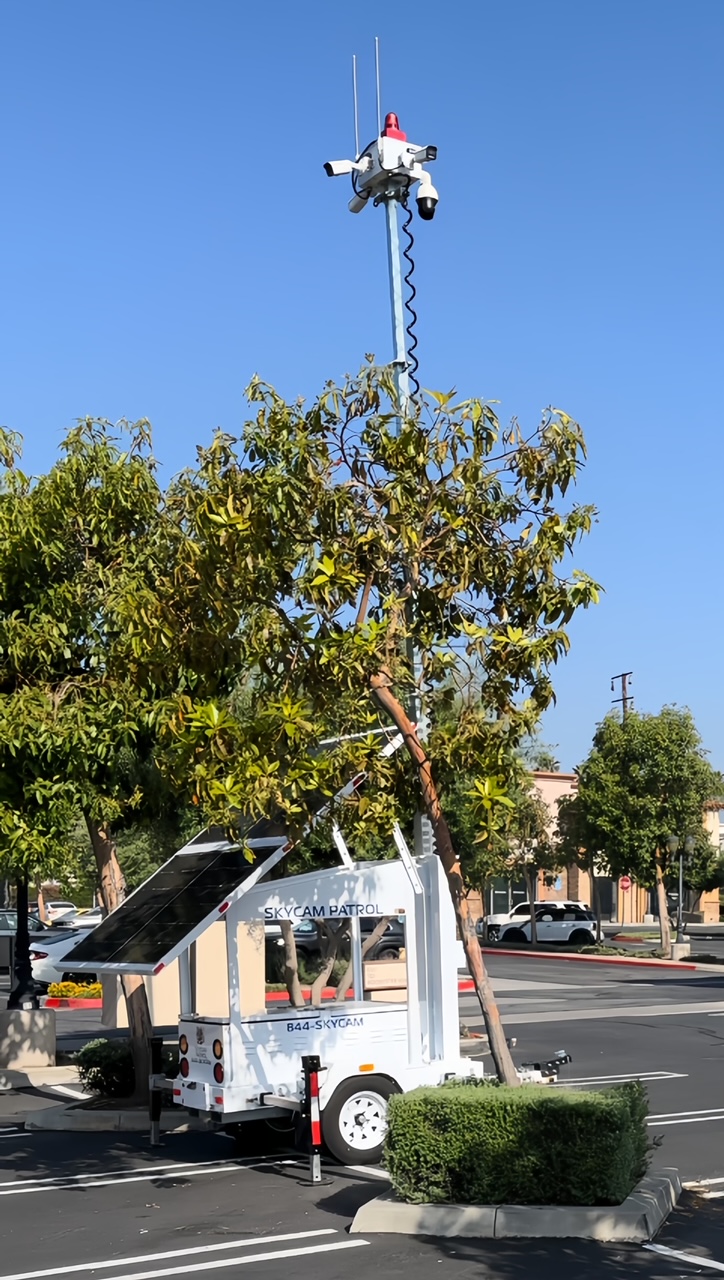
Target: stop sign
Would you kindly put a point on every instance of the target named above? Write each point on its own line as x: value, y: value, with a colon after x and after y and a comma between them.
x: 625, y: 883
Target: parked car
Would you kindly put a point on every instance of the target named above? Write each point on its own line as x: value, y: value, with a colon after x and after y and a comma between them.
x: 9, y: 923
x: 491, y: 926
x: 555, y: 922
x: 47, y: 958
x: 56, y: 909
x: 306, y: 934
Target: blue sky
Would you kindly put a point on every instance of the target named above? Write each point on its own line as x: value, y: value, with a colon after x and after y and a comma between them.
x: 167, y: 230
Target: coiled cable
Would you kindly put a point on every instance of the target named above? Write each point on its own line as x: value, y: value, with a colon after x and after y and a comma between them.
x: 413, y: 362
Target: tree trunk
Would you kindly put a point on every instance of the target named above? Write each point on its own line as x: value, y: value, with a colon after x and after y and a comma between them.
x: 42, y: 908
x: 291, y: 965
x: 663, y: 907
x: 380, y: 686
x: 113, y: 892
x: 331, y: 939
x: 367, y: 945
x: 23, y: 994
x: 531, y: 880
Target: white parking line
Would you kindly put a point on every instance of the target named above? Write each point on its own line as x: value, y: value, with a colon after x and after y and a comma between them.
x: 170, y: 1253
x: 70, y: 1093
x: 670, y: 1115
x: 27, y: 1186
x: 699, y: 1119
x: 218, y: 1263
x: 621, y: 1079
x: 694, y: 1258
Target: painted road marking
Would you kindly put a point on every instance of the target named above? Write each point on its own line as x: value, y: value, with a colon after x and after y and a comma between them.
x: 170, y: 1253
x: 359, y: 1168
x: 669, y: 1115
x: 694, y: 1258
x: 71, y: 1093
x: 692, y: 1117
x: 25, y: 1186
x: 621, y: 1079
x: 195, y: 1267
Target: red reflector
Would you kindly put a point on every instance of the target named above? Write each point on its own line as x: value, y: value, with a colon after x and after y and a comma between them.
x: 177, y: 1093
x: 159, y: 967
x: 224, y: 907
x: 184, y: 1067
x: 220, y: 1100
x: 218, y: 1073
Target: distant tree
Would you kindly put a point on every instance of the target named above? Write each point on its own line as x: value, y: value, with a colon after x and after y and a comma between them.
x: 646, y: 778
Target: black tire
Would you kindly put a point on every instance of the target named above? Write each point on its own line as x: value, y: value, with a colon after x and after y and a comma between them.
x: 373, y: 1093
x: 388, y: 953
x: 581, y: 938
x: 514, y: 935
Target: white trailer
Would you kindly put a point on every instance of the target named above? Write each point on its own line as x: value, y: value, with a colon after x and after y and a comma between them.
x: 245, y: 1067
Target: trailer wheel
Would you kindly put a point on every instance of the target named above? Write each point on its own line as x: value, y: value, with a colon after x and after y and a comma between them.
x: 354, y: 1122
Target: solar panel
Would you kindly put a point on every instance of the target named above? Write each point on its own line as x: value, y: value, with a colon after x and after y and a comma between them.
x: 172, y: 903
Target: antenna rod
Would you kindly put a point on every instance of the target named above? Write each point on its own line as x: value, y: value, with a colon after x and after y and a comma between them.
x: 354, y: 103
x: 377, y: 74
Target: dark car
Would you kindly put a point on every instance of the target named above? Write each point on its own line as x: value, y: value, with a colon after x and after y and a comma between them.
x: 387, y: 947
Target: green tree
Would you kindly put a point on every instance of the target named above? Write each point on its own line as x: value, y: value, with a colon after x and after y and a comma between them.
x: 646, y: 778
x: 327, y: 545
x: 71, y: 720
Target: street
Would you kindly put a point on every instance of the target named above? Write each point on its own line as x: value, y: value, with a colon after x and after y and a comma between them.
x: 75, y: 1203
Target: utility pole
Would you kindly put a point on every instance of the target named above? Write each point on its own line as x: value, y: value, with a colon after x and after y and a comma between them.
x: 384, y: 172
x: 626, y: 698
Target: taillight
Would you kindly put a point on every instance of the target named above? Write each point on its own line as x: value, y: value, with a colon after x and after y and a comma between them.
x: 218, y: 1073
x: 184, y: 1067
x: 218, y: 1049
x: 38, y: 955
x: 183, y: 1044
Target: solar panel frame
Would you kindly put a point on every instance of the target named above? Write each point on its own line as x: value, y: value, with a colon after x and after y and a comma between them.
x: 149, y: 912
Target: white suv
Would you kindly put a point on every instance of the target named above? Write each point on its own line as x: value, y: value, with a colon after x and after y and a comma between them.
x: 555, y: 922
x: 491, y: 927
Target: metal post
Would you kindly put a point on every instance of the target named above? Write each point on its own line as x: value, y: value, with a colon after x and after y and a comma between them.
x: 312, y: 1067
x: 155, y: 1094
x: 355, y: 933
x: 399, y: 345
x: 680, y: 913
x: 423, y: 831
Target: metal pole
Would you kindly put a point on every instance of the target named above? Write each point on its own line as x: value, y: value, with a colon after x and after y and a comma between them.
x: 680, y: 914
x: 423, y: 830
x: 399, y: 345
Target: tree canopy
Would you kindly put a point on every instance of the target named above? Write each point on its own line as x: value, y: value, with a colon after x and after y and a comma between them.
x: 646, y: 778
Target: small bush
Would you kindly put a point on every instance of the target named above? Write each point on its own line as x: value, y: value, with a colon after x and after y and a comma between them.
x: 106, y: 1067
x: 76, y: 990
x: 530, y: 1145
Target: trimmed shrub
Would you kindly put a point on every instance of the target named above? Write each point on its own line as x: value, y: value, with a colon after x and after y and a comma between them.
x: 76, y: 990
x: 106, y: 1067
x: 530, y: 1145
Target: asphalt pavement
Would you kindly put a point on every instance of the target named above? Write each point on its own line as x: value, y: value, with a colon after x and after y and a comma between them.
x: 72, y: 1204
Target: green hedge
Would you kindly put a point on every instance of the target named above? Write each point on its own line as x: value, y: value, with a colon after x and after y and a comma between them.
x: 531, y: 1145
x: 106, y: 1067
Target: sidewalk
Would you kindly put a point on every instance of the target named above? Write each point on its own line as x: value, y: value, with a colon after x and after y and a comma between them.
x: 34, y: 1090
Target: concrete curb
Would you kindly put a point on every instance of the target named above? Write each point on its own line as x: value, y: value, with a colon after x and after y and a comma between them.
x: 637, y: 1219
x: 71, y: 1002
x: 74, y: 1119
x: 574, y: 955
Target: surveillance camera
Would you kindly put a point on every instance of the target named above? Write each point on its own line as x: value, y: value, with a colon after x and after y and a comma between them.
x: 358, y: 201
x: 427, y: 199
x: 338, y: 168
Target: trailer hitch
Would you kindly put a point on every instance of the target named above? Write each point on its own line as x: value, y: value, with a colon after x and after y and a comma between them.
x: 551, y: 1067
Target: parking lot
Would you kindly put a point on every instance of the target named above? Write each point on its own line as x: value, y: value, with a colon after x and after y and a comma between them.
x: 71, y: 1204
